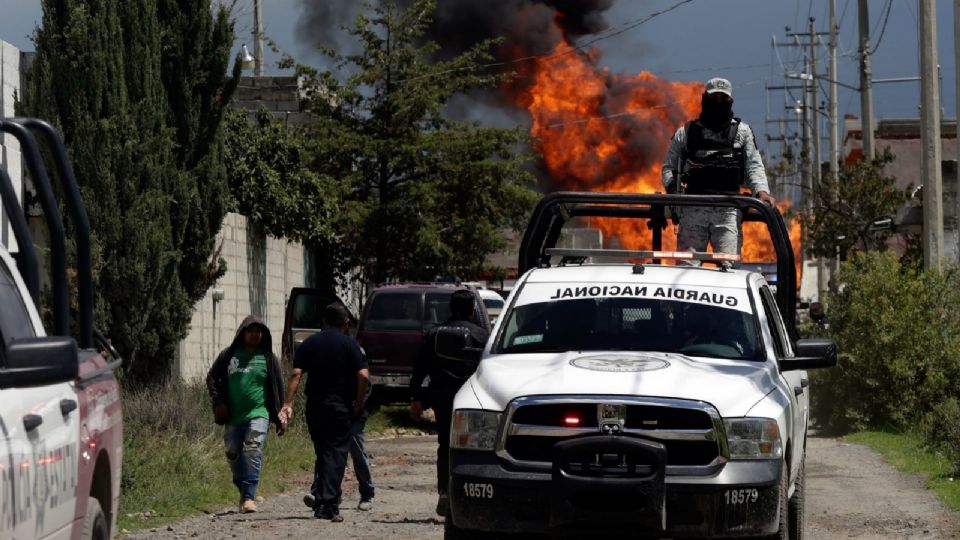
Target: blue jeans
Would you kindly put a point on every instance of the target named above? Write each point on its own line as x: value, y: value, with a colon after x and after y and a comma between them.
x: 361, y: 463
x: 244, y: 446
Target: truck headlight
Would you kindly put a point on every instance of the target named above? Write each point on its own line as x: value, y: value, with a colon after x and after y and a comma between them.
x: 474, y: 430
x: 753, y: 438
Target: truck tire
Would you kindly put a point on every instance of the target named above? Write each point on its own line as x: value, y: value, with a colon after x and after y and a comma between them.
x: 783, y: 533
x: 95, y: 522
x: 795, y: 508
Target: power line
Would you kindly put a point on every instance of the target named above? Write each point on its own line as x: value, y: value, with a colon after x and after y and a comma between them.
x: 710, y: 68
x: 883, y: 28
x: 627, y: 26
x: 632, y: 111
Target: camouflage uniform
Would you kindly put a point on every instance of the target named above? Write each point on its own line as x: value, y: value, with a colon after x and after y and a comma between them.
x: 718, y: 226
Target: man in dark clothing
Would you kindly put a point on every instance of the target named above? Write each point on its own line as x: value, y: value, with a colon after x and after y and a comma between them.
x: 245, y: 385
x: 446, y: 378
x: 336, y: 391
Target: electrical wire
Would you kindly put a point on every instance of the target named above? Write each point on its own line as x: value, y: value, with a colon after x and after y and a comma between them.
x: 640, y: 109
x: 883, y: 28
x: 625, y: 27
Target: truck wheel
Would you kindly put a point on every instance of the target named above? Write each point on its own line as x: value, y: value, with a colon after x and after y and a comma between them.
x: 783, y: 533
x: 796, y: 507
x: 95, y: 522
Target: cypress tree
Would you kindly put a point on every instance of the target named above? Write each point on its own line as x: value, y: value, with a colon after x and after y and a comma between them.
x: 137, y: 90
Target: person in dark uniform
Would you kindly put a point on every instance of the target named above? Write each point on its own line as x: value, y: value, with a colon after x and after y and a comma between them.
x: 446, y: 378
x: 336, y: 392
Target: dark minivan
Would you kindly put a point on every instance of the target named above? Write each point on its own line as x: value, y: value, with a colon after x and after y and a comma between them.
x: 393, y: 322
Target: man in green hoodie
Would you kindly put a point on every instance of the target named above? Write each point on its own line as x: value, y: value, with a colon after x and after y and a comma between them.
x: 246, y: 385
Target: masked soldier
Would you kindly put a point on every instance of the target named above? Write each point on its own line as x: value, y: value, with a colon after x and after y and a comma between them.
x: 714, y: 154
x: 446, y: 378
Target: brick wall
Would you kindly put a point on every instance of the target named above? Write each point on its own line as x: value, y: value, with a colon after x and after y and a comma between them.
x: 260, y: 273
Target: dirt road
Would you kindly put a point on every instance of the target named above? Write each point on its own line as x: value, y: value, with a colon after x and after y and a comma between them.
x: 850, y: 493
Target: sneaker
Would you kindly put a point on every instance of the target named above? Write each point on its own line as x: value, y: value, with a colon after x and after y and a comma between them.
x: 365, y: 504
x: 309, y: 500
x: 443, y: 504
x: 327, y: 512
x: 248, y: 507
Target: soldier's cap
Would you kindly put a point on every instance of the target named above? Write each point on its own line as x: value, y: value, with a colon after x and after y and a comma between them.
x: 717, y: 84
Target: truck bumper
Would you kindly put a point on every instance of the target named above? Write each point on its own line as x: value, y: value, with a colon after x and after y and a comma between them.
x: 740, y: 499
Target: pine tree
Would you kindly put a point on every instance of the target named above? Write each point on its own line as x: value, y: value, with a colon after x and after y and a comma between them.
x: 420, y: 195
x: 137, y: 90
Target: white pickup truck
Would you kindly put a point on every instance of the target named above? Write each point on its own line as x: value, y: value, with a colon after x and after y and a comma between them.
x: 634, y: 398
x: 60, y: 416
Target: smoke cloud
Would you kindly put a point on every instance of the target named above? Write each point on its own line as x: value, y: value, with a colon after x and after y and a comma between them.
x: 527, y: 26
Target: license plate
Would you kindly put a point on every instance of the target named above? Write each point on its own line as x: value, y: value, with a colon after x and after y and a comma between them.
x: 390, y: 380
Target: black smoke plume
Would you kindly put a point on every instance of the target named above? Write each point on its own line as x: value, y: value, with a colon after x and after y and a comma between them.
x: 527, y: 26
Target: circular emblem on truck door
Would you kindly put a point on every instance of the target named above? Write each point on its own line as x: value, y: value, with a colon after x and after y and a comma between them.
x: 619, y: 363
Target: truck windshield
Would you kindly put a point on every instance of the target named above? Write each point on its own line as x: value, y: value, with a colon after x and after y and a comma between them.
x: 631, y: 324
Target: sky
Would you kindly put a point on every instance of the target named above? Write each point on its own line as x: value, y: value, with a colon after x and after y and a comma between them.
x: 697, y: 41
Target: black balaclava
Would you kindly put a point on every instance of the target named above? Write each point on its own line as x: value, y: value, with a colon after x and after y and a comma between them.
x: 715, y: 114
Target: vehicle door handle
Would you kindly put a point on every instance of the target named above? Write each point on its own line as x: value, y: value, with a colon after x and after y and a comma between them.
x: 797, y: 390
x: 31, y: 421
x: 804, y: 383
x: 67, y: 406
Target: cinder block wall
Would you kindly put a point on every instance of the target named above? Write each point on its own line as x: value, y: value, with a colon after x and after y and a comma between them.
x: 9, y: 147
x: 260, y: 273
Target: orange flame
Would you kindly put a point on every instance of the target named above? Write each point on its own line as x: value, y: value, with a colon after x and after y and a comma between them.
x: 602, y: 131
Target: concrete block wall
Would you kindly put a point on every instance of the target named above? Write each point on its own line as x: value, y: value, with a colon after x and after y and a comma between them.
x: 260, y: 273
x: 9, y: 147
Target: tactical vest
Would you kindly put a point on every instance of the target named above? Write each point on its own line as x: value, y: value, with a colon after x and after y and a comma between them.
x: 713, y: 165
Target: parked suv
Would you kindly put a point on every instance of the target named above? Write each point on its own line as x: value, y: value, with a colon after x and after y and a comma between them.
x: 493, y: 303
x: 304, y: 317
x: 393, y: 322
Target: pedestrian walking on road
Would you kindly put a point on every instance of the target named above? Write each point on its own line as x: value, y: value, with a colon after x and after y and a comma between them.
x: 246, y: 385
x: 361, y: 463
x: 336, y: 392
x: 446, y: 378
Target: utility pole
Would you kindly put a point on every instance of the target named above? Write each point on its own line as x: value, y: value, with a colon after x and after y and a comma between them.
x: 814, y: 109
x: 956, y: 203
x: 834, y: 115
x: 930, y: 138
x: 807, y: 143
x: 866, y: 93
x: 815, y: 131
x: 257, y: 39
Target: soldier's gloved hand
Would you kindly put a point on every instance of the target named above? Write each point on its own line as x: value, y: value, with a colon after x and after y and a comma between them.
x: 672, y: 186
x: 767, y: 198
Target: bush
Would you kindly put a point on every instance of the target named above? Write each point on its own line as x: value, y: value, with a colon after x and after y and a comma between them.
x: 899, y: 338
x: 942, y: 432
x: 173, y: 460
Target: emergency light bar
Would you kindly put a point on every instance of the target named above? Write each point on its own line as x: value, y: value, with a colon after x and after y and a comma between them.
x: 639, y: 254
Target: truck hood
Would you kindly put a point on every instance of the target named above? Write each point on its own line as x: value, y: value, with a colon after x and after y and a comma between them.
x: 733, y: 387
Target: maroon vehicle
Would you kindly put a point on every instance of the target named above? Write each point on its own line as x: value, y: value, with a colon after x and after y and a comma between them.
x: 392, y: 326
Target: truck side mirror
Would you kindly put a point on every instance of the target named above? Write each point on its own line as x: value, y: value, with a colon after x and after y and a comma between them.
x: 39, y: 361
x: 811, y: 354
x: 451, y: 344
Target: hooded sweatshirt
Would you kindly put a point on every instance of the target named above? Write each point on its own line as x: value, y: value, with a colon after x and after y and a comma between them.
x: 218, y: 376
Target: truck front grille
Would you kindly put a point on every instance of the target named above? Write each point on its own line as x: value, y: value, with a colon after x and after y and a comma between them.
x: 691, y: 430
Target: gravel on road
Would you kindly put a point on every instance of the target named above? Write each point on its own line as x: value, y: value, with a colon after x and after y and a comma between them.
x: 850, y: 493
